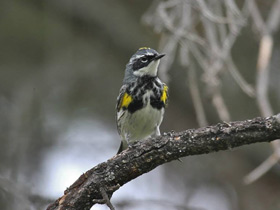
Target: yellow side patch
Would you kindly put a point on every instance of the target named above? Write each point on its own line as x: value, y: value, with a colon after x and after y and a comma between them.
x: 164, y: 95
x: 126, y: 100
x: 144, y: 48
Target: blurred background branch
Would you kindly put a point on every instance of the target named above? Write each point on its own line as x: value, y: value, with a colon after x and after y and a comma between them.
x: 266, y: 31
x: 221, y: 23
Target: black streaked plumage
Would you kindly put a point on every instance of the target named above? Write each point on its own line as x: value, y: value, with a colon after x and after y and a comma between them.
x: 144, y: 84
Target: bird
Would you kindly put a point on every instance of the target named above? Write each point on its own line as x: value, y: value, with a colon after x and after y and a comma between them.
x: 142, y: 99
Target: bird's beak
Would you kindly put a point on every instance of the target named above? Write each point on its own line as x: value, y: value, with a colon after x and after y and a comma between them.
x: 159, y: 56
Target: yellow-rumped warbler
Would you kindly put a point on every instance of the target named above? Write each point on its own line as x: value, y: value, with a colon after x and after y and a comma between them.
x: 142, y: 98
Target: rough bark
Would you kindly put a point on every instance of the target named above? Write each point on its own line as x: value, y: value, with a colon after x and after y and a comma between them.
x: 143, y: 157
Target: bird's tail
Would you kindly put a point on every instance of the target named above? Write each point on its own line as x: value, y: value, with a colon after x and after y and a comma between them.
x: 122, y: 147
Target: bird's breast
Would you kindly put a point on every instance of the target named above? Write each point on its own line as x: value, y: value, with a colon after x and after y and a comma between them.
x: 146, y: 92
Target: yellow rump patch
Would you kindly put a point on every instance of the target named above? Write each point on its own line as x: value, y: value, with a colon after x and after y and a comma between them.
x: 164, y: 94
x: 144, y: 48
x: 126, y: 100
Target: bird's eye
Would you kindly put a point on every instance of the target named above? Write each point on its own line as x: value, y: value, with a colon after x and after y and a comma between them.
x: 144, y: 60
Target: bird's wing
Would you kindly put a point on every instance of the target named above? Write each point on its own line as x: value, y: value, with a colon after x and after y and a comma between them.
x: 123, y: 101
x: 164, y: 95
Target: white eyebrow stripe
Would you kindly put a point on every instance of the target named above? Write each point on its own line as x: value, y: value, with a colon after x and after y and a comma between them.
x: 149, y: 53
x: 139, y: 56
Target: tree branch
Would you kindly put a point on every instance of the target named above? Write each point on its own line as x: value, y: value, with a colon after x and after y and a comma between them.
x: 99, y: 183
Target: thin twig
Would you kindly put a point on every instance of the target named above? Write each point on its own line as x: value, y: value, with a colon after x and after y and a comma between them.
x: 274, y: 18
x: 210, y: 16
x: 246, y: 87
x: 221, y: 108
x: 264, y: 167
x: 106, y: 198
x: 256, y: 16
x: 265, y: 51
x: 196, y: 98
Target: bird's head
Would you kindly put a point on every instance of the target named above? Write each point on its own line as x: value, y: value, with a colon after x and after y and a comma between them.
x: 144, y: 62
